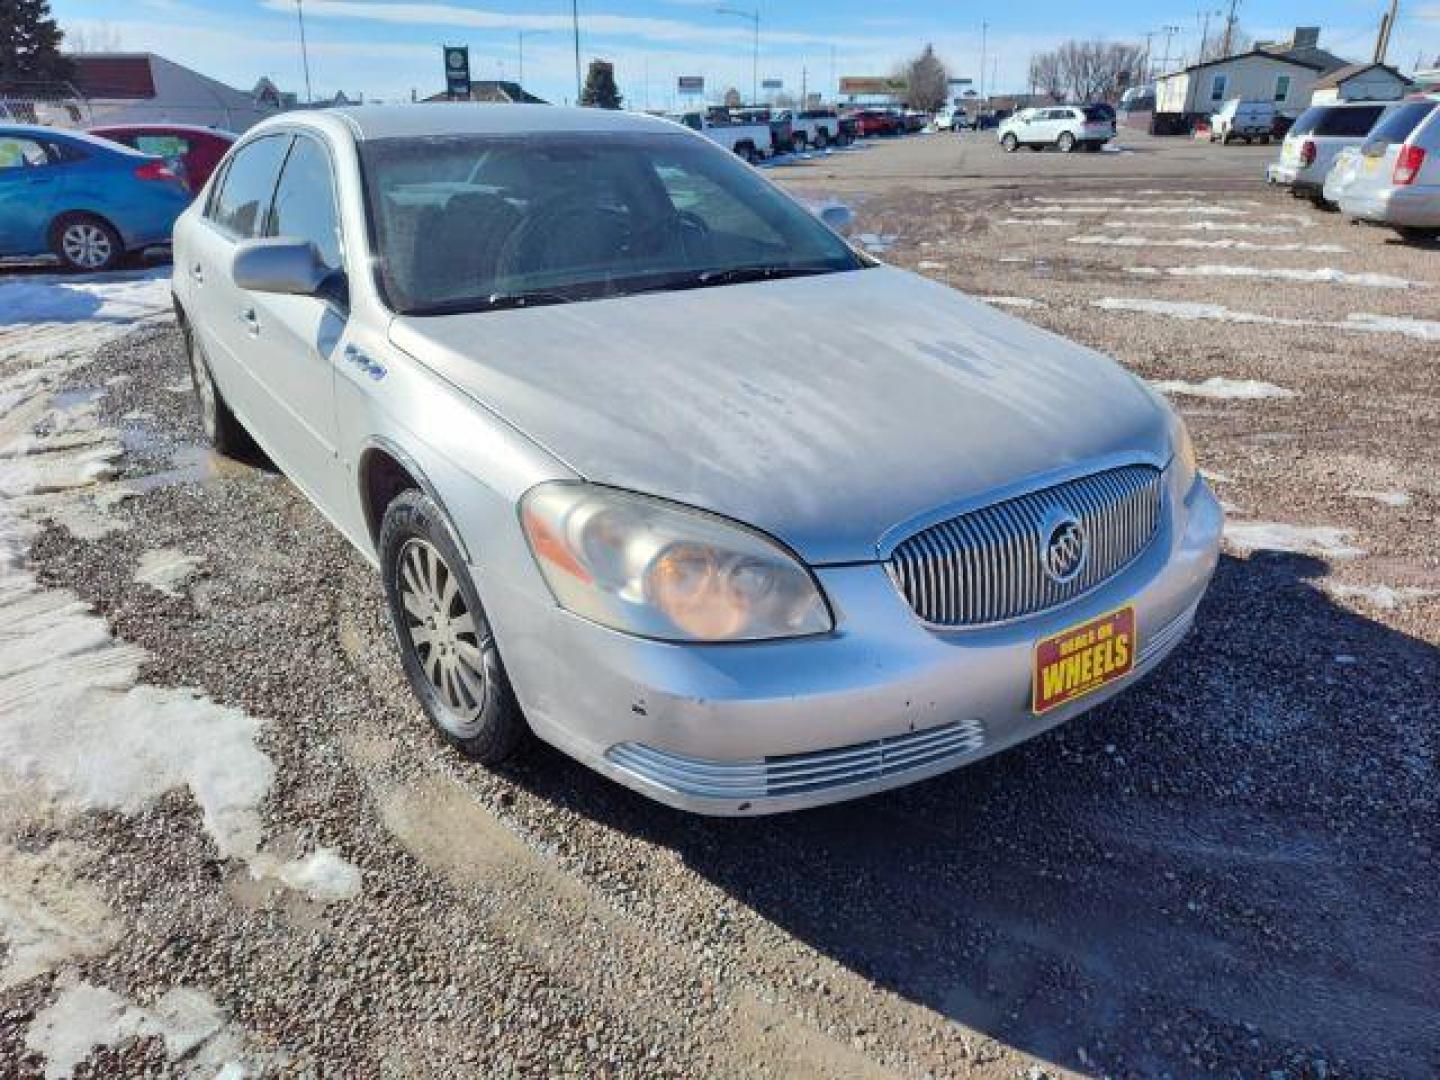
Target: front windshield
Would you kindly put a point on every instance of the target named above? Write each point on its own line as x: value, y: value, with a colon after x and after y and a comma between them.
x: 477, y: 222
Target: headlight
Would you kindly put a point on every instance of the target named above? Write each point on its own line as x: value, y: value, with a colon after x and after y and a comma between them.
x: 660, y: 570
x: 1183, y: 459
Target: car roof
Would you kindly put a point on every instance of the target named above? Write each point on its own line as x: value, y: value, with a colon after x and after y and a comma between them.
x: 448, y: 118
x: 191, y: 129
x: 40, y: 131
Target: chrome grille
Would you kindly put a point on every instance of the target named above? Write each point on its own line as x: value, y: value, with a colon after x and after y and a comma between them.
x: 796, y: 774
x: 985, y: 566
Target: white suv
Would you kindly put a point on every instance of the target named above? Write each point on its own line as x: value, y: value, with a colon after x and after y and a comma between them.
x: 1064, y: 127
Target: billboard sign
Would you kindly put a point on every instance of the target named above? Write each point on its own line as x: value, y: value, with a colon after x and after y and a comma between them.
x: 872, y: 84
x: 773, y: 84
x: 690, y: 84
x: 457, y: 70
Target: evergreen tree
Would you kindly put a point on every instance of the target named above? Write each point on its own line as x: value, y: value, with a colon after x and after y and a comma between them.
x: 30, y: 44
x: 600, y: 90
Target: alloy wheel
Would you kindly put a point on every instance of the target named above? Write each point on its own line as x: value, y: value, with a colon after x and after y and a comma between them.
x: 86, y: 245
x: 442, y: 631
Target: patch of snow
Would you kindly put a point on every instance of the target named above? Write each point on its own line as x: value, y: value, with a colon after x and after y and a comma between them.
x: 1193, y: 310
x: 46, y: 316
x: 324, y: 875
x: 1219, y: 387
x: 1054, y: 222
x: 1394, y: 499
x: 1215, y: 477
x: 48, y: 914
x: 1324, y: 540
x: 1012, y: 301
x: 167, y: 570
x: 1203, y: 226
x: 1176, y: 209
x: 1115, y: 148
x: 1225, y: 243
x: 194, y: 1029
x: 930, y: 264
x: 1323, y: 275
x: 1384, y: 597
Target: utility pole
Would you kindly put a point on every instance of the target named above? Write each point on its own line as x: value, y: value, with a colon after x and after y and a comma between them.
x: 1205, y: 35
x: 984, y: 31
x: 1169, y: 32
x: 1229, y: 30
x: 575, y: 21
x: 804, y: 85
x: 834, y: 86
x: 1387, y: 25
x: 304, y: 52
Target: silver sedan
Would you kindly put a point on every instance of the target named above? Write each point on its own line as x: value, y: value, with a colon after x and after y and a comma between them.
x: 659, y: 469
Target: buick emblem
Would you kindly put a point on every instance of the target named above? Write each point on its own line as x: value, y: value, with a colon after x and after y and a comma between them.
x: 1064, y: 552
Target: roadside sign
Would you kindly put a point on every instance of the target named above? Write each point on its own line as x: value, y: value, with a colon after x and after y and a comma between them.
x: 872, y: 84
x: 691, y: 84
x: 773, y: 84
x: 457, y: 70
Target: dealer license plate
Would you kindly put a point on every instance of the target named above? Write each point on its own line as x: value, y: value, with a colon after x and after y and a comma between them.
x: 1080, y: 660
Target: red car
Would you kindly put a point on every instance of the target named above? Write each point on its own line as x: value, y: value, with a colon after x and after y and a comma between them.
x: 191, y: 151
x: 875, y: 122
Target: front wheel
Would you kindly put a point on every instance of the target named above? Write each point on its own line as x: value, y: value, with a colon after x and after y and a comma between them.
x: 446, y: 646
x: 1010, y: 142
x: 822, y: 139
x: 86, y: 243
x: 1065, y: 143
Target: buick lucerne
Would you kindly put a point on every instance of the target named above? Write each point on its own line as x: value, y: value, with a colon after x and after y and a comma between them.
x: 657, y: 467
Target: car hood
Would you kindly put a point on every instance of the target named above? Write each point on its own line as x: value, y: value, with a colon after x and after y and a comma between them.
x: 834, y: 412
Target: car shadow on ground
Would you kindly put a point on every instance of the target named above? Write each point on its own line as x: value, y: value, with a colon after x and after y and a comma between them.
x: 1231, y: 866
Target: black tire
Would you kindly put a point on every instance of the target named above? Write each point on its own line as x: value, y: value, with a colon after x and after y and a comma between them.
x: 747, y: 151
x: 1227, y: 139
x: 1010, y: 142
x: 467, y: 699
x: 1065, y: 142
x: 224, y: 432
x: 86, y: 244
x: 822, y: 139
x: 1264, y: 140
x: 1413, y: 232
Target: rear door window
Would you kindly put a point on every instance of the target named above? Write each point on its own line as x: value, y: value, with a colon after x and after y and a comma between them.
x: 243, y: 199
x: 1349, y: 123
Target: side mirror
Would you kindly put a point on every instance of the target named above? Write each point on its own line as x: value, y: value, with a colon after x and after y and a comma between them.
x: 838, y: 217
x: 279, y: 265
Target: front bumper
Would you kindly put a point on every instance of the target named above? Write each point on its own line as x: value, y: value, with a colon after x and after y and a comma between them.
x: 1416, y: 206
x: 880, y: 702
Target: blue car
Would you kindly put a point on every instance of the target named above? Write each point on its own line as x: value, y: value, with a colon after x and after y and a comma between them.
x: 86, y: 201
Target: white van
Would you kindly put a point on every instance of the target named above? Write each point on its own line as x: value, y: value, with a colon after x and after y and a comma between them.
x: 1248, y: 120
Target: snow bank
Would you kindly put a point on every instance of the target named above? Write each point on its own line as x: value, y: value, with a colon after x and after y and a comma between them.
x: 1203, y: 226
x: 1324, y: 540
x: 46, y: 316
x: 1222, y: 388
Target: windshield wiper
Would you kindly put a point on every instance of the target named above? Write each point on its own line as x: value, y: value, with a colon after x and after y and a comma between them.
x: 734, y: 276
x: 493, y: 302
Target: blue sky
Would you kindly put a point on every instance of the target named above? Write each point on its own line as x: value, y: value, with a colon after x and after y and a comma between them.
x: 384, y: 48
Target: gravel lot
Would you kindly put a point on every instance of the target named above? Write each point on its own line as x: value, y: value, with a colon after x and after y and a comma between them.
x: 1230, y: 869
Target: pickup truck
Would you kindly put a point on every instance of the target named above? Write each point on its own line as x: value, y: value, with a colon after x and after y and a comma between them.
x: 1248, y: 120
x: 781, y: 134
x: 816, y: 128
x: 749, y: 141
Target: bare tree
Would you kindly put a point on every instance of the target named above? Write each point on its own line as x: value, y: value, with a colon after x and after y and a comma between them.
x: 1087, y: 70
x: 95, y: 38
x: 1240, y: 42
x: 928, y: 81
x: 1046, y: 77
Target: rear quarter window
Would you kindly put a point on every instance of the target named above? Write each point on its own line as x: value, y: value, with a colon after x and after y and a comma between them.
x: 1306, y: 121
x: 1397, y: 125
x: 1349, y: 123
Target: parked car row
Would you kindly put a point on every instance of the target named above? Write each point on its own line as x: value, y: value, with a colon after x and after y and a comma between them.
x: 92, y: 198
x: 1372, y: 161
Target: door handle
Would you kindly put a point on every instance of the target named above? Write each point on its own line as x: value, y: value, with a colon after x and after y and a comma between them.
x: 251, y: 321
x: 197, y: 274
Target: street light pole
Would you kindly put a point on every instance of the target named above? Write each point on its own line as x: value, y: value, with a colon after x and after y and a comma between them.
x: 984, y: 32
x: 575, y: 19
x: 304, y: 52
x: 754, y: 18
